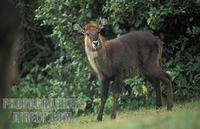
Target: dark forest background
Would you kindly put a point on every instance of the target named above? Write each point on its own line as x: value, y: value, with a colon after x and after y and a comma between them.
x: 52, y: 62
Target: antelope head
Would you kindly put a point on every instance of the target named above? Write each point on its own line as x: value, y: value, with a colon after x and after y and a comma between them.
x: 92, y: 32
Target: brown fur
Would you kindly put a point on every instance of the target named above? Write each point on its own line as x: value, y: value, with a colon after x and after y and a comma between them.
x: 132, y: 54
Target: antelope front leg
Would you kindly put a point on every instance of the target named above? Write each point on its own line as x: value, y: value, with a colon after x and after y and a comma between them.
x: 104, y: 96
x: 115, y: 102
x: 116, y: 88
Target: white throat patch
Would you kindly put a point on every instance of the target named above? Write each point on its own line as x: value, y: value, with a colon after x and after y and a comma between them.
x: 95, y: 53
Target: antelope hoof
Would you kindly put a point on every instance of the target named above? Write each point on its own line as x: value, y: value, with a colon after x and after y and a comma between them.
x: 159, y: 107
x: 99, y: 118
x: 113, y: 116
x: 169, y: 108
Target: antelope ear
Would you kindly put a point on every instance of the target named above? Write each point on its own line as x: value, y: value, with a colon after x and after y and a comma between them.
x: 78, y: 28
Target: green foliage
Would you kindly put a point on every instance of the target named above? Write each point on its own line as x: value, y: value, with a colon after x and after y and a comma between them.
x: 68, y: 74
x: 138, y: 86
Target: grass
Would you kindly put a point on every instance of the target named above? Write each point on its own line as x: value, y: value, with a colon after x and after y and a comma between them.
x: 183, y: 116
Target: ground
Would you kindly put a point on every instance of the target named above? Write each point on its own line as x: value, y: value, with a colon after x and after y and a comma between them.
x: 184, y: 116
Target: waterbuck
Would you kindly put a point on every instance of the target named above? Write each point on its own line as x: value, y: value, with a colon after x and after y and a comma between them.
x: 133, y: 54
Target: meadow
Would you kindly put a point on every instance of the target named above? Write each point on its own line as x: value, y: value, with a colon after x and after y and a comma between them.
x: 184, y: 116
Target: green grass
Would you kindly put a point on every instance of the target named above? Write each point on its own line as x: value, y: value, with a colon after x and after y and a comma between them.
x: 183, y: 116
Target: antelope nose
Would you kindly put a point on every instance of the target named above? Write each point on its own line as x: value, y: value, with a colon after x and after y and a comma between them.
x: 95, y: 43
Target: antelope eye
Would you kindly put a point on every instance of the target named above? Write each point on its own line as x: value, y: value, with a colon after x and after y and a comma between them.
x: 87, y: 34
